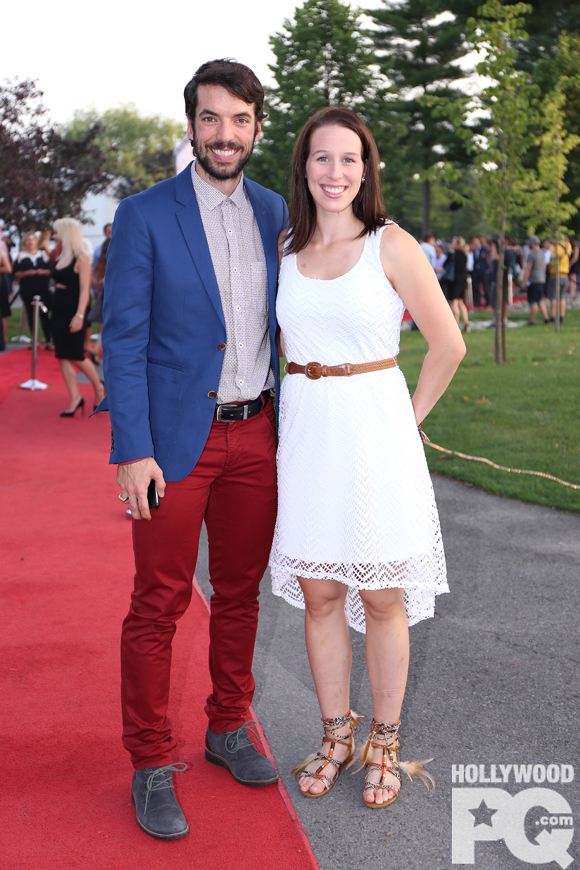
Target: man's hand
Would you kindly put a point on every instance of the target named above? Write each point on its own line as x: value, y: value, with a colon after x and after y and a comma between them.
x: 134, y: 480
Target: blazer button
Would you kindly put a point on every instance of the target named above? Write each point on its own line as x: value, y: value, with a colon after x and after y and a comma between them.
x: 212, y: 394
x: 221, y: 346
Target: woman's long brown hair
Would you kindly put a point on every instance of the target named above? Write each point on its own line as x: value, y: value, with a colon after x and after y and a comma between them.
x: 368, y: 205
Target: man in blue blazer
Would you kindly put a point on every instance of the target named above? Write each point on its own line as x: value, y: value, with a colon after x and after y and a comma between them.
x: 190, y: 359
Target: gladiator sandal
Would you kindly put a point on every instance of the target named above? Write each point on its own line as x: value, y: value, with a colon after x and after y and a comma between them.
x: 331, y: 726
x: 386, y: 737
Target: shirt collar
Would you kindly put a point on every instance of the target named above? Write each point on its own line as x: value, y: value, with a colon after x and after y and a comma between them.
x: 211, y: 197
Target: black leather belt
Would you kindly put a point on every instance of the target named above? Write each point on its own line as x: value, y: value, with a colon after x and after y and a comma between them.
x: 231, y: 413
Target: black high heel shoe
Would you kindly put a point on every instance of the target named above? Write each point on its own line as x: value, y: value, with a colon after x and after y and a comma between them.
x: 80, y: 404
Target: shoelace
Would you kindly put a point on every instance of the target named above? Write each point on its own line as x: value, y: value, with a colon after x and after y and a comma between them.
x: 165, y: 780
x: 239, y: 738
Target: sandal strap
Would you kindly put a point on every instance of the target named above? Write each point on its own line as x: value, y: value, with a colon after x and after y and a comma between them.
x: 339, y: 722
x: 327, y: 759
x: 319, y: 777
x: 383, y: 729
x: 375, y: 785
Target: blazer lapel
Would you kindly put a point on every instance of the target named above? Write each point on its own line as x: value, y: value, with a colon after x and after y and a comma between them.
x: 191, y: 224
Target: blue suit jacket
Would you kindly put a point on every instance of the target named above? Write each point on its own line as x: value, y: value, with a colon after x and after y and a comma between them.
x: 163, y: 322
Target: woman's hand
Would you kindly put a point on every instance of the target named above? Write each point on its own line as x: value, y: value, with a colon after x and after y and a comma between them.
x: 76, y: 323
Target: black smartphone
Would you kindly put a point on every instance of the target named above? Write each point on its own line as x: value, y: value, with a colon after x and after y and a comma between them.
x: 152, y: 496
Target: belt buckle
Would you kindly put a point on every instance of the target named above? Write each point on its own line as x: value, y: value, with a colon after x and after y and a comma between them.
x: 313, y: 370
x: 219, y: 409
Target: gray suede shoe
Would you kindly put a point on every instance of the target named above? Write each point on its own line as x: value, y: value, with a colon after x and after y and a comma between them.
x: 235, y: 751
x: 157, y: 808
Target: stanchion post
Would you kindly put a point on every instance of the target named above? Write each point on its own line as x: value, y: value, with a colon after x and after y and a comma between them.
x: 33, y: 384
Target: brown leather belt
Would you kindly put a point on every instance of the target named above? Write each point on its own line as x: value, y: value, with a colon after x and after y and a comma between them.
x: 315, y: 370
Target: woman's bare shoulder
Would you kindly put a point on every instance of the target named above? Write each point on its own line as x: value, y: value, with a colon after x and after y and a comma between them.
x: 396, y: 241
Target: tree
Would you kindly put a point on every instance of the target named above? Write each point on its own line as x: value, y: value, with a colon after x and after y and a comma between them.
x: 510, y: 103
x: 138, y: 148
x: 546, y: 208
x: 322, y: 59
x: 560, y: 71
x: 417, y: 48
x: 42, y: 175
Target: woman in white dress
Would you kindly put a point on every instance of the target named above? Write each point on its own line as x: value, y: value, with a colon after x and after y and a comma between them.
x: 357, y: 539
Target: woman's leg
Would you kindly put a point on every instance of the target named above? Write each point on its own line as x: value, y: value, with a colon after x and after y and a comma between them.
x: 387, y: 650
x: 87, y: 368
x: 69, y: 374
x: 330, y: 656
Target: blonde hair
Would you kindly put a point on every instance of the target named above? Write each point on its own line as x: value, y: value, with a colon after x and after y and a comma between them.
x: 71, y: 236
x: 461, y: 243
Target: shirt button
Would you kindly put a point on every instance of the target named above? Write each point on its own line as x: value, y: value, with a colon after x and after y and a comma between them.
x: 221, y: 346
x: 212, y: 394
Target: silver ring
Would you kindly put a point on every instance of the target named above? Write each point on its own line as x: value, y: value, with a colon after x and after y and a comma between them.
x: 125, y: 499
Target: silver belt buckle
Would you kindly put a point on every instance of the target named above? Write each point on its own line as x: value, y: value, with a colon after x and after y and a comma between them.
x: 218, y: 415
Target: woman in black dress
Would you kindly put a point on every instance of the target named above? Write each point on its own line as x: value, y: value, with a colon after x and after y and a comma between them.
x: 456, y: 289
x: 32, y: 270
x: 72, y: 276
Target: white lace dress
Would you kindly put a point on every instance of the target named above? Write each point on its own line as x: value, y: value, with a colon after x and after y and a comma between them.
x: 355, y: 500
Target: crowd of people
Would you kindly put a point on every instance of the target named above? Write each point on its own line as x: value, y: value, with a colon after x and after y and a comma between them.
x: 533, y: 267
x: 58, y: 267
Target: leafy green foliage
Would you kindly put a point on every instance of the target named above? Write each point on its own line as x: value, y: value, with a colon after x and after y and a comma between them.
x: 546, y: 209
x: 510, y: 103
x: 43, y: 175
x: 138, y: 148
x: 417, y: 49
x: 322, y: 59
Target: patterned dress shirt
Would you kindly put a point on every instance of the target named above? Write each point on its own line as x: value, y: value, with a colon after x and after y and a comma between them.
x: 238, y: 259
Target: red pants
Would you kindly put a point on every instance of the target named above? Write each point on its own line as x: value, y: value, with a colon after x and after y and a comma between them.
x: 232, y: 487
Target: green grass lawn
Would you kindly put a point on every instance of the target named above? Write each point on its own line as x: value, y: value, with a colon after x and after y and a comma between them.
x: 524, y: 414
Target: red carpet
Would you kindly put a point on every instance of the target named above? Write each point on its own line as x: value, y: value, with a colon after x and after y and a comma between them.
x: 66, y: 574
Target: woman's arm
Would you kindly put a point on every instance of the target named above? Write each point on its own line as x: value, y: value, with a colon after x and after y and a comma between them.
x: 84, y: 273
x: 415, y: 282
x: 281, y: 241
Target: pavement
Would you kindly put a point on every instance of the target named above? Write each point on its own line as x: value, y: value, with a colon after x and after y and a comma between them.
x: 494, y: 680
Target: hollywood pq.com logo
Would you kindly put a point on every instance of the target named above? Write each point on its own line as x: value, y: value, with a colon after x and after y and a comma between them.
x: 536, y: 823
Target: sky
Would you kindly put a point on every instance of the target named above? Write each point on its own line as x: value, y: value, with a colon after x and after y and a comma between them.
x: 110, y: 53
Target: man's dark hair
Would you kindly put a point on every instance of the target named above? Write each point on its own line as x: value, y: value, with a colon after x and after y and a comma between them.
x: 236, y: 78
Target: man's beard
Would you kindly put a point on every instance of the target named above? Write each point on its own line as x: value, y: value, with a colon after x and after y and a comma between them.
x: 215, y: 169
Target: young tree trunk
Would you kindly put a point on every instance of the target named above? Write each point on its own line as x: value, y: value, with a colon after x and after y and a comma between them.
x: 499, y: 324
x: 557, y: 245
x: 426, y: 207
